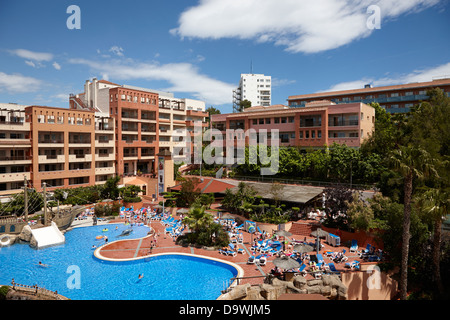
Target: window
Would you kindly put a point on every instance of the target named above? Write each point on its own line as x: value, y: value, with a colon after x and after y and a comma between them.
x: 395, y: 94
x: 41, y: 118
x: 319, y: 134
x: 283, y: 120
x: 255, y: 121
x: 276, y: 120
x: 313, y: 134
x: 284, y: 137
x: 306, y: 134
x: 301, y: 135
x: 409, y: 93
x: 79, y: 121
x: 291, y: 119
x: 261, y: 121
x: 267, y: 120
x: 362, y: 115
x: 60, y: 119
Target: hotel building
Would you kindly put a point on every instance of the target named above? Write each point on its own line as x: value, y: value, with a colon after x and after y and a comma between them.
x: 318, y: 124
x: 147, y: 121
x: 15, y: 148
x: 61, y: 147
x: 395, y: 99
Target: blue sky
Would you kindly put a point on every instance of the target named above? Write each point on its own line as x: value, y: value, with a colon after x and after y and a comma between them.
x: 198, y: 49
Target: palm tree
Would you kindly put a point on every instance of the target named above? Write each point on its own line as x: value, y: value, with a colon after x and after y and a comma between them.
x: 197, y: 219
x: 436, y: 203
x: 411, y: 162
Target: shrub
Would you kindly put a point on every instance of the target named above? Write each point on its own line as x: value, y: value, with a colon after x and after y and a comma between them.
x: 3, y: 292
x: 132, y: 199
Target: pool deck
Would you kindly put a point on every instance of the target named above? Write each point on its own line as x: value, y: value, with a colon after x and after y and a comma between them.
x: 140, y: 248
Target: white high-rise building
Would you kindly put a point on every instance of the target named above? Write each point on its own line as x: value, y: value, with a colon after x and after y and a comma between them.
x: 255, y: 88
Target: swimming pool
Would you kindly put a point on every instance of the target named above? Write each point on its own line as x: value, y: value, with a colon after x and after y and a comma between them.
x: 75, y: 273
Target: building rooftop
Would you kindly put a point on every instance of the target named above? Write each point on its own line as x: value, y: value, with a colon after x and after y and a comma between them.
x: 373, y: 89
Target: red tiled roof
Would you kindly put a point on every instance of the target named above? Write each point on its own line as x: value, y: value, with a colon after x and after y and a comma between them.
x: 108, y: 82
x: 210, y: 185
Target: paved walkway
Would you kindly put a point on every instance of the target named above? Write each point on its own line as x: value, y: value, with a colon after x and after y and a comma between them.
x: 135, y: 248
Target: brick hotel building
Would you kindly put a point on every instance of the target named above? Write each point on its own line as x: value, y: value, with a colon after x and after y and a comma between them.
x: 108, y: 130
x: 318, y: 124
x: 395, y: 99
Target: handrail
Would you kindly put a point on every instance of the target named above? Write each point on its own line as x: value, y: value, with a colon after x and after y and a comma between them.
x: 36, y: 289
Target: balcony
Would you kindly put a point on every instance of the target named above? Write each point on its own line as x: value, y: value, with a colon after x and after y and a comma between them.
x: 14, y: 176
x: 50, y: 158
x: 344, y: 123
x: 15, y: 160
x: 105, y: 156
x: 80, y: 157
x: 106, y: 170
x: 196, y: 113
x: 192, y: 123
x: 14, y: 126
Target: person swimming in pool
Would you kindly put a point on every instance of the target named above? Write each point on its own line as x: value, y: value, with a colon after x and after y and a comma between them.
x: 42, y: 265
x: 140, y: 276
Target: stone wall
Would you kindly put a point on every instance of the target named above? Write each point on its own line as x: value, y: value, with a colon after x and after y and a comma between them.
x: 330, y: 286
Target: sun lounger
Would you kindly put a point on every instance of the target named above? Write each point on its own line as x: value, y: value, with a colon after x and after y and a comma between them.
x: 320, y: 258
x: 332, y: 267
x: 231, y: 253
x: 261, y: 260
x: 354, y: 246
x: 352, y: 265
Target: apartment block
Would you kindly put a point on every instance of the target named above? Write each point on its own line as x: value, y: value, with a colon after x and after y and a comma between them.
x: 255, y: 88
x: 15, y: 148
x: 69, y: 147
x: 395, y: 99
x: 318, y: 124
x: 59, y: 146
x: 146, y: 121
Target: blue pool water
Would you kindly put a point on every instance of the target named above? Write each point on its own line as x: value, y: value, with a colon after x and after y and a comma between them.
x: 73, y: 265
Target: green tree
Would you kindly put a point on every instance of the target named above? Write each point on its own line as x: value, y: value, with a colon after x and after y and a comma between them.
x: 110, y: 189
x: 189, y: 192
x: 435, y: 203
x: 244, y: 104
x: 360, y: 213
x: 411, y: 163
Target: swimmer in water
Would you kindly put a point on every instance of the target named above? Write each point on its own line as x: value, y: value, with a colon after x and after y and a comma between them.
x: 140, y: 276
x: 42, y: 265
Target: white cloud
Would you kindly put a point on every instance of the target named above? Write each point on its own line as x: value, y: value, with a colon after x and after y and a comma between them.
x: 17, y: 83
x: 300, y: 26
x: 30, y: 63
x: 182, y: 77
x: 117, y: 51
x: 64, y: 97
x: 419, y: 75
x: 30, y: 55
x: 56, y: 65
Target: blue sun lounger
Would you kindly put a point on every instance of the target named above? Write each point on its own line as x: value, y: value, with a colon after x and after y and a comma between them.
x: 354, y: 246
x: 332, y: 267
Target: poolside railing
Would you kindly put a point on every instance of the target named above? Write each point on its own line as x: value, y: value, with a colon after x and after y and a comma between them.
x: 35, y: 290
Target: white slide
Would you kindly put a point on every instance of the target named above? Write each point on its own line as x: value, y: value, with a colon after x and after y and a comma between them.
x: 48, y: 236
